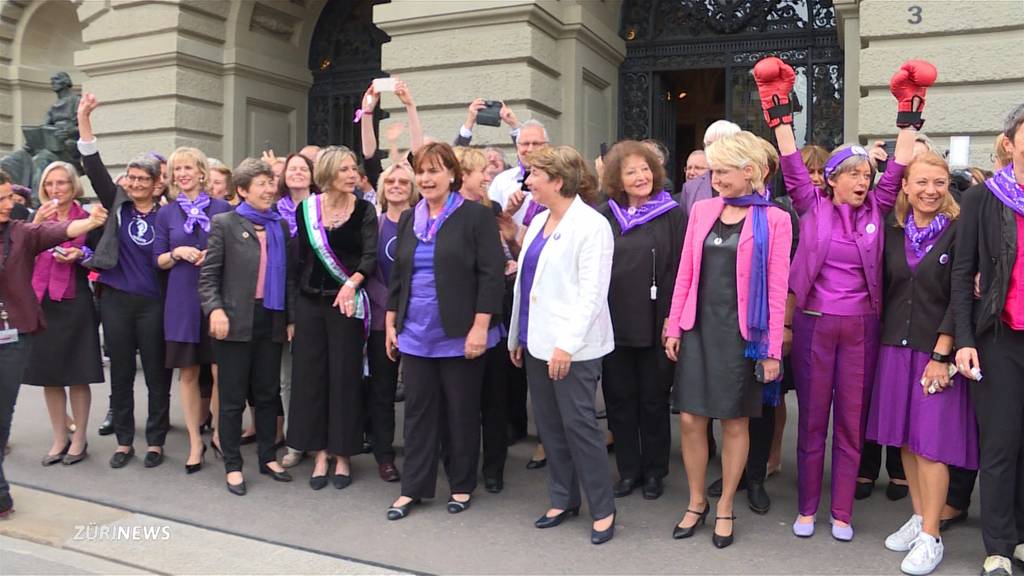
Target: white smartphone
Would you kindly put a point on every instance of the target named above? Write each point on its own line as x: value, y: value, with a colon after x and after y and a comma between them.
x: 384, y: 84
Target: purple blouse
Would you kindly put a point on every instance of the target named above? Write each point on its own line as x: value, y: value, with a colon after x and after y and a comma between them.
x: 526, y: 275
x: 842, y: 287
x: 182, y: 315
x: 135, y: 271
x: 422, y: 333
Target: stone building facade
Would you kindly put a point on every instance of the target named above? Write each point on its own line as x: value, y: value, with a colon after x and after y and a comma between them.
x: 231, y: 76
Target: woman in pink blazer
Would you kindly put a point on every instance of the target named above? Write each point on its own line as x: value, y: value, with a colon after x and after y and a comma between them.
x: 725, y: 326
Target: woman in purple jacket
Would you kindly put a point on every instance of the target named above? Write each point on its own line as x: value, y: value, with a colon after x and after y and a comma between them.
x: 182, y: 227
x: 837, y: 280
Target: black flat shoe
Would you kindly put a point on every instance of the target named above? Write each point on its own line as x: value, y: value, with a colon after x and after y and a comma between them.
x: 455, y: 507
x: 536, y: 464
x: 864, y: 490
x: 896, y: 491
x: 247, y: 439
x: 236, y: 489
x: 107, y: 426
x: 679, y: 532
x: 546, y: 521
x: 119, y: 459
x: 341, y: 481
x: 950, y: 522
x: 318, y: 482
x: 282, y: 476
x: 653, y: 488
x: 600, y: 537
x: 758, y: 499
x: 51, y: 459
x: 153, y: 458
x: 70, y: 458
x: 715, y: 488
x: 494, y: 485
x: 624, y: 487
x: 399, y: 512
x: 723, y: 541
x: 193, y: 468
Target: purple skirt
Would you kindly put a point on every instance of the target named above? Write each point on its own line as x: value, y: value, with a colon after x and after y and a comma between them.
x: 940, y: 427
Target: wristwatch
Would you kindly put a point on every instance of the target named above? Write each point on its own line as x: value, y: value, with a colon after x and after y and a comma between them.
x: 941, y: 357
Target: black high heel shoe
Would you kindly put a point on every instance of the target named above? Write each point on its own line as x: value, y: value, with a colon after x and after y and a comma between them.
x: 236, y: 489
x: 216, y: 450
x: 399, y: 512
x: 723, y: 541
x: 679, y: 532
x: 193, y: 468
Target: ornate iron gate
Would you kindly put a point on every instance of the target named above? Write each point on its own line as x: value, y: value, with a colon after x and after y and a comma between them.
x: 670, y: 35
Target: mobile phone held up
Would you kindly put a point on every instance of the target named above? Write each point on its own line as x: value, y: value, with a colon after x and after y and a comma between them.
x: 890, y: 150
x: 490, y: 114
x: 384, y: 85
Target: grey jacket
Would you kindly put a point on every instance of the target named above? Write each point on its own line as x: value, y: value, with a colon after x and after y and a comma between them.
x: 112, y: 196
x: 227, y: 279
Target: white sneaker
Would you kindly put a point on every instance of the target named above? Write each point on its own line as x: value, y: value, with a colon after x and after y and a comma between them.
x: 1018, y: 553
x: 997, y: 566
x: 903, y: 539
x: 924, y: 557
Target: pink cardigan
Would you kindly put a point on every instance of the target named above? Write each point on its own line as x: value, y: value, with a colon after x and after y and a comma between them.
x: 703, y: 216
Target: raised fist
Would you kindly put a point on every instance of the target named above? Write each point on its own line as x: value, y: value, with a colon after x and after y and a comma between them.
x: 910, y: 85
x: 775, y: 81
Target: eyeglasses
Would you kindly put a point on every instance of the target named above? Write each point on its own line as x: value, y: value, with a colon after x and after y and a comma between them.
x: 138, y: 179
x: 537, y: 144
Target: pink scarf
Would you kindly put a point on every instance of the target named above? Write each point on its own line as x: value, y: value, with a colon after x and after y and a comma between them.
x: 50, y: 275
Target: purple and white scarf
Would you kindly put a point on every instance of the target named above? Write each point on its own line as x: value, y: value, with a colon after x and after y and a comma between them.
x: 286, y: 208
x: 1005, y: 187
x: 630, y: 218
x: 195, y: 212
x: 919, y: 238
x: 425, y: 228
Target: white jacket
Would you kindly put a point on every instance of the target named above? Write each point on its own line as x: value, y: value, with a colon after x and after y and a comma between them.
x: 569, y: 297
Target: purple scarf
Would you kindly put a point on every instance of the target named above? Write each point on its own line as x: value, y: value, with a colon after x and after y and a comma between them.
x: 757, y: 307
x: 425, y: 228
x: 920, y: 238
x: 195, y: 212
x: 286, y: 207
x: 273, y: 279
x: 1005, y: 187
x: 656, y: 205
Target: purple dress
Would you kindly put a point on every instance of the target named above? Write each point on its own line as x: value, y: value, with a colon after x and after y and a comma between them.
x: 940, y: 427
x: 182, y: 315
x: 422, y: 333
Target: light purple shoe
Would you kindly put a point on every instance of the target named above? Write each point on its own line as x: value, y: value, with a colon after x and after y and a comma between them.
x: 842, y: 533
x: 803, y: 529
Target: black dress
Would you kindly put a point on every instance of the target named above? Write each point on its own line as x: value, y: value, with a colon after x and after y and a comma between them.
x: 713, y: 378
x: 67, y: 353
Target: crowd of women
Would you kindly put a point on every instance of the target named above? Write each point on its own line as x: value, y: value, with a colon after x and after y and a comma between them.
x: 307, y: 284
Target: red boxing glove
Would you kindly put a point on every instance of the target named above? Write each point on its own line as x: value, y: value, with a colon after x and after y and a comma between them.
x: 910, y: 85
x: 775, y: 81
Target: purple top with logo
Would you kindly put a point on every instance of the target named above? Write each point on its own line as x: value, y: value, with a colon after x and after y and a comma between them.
x: 377, y: 283
x: 526, y: 282
x: 182, y: 315
x: 135, y: 272
x: 422, y: 334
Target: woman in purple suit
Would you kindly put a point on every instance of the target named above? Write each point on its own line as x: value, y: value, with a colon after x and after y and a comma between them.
x: 837, y: 280
x: 182, y: 227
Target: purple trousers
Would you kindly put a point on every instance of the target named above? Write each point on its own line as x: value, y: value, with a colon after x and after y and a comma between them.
x: 833, y: 362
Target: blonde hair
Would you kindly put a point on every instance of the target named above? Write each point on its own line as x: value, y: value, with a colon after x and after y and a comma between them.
x: 739, y: 151
x: 329, y: 163
x: 76, y: 183
x: 566, y: 163
x: 949, y: 206
x: 414, y: 194
x: 1002, y: 156
x: 183, y: 155
x: 471, y: 159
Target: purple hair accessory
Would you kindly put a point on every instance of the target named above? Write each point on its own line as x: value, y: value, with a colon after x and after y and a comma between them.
x: 158, y: 156
x: 841, y: 156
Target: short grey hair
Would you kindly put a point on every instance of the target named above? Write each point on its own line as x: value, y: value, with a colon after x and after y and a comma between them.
x: 535, y: 124
x: 1013, y: 121
x: 718, y: 129
x: 147, y: 163
x: 247, y: 171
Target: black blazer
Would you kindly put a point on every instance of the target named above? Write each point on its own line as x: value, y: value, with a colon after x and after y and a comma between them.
x: 227, y: 279
x: 917, y: 306
x: 986, y: 243
x: 636, y: 321
x: 469, y: 268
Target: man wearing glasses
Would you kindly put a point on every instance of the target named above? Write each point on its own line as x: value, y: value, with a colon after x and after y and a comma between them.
x: 508, y: 188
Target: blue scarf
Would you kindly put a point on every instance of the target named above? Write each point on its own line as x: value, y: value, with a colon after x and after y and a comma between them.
x: 274, y: 277
x: 195, y: 212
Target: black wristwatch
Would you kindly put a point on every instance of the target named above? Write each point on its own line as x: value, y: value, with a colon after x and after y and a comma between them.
x: 941, y: 357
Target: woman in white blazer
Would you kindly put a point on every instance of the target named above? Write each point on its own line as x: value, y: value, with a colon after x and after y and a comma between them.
x: 560, y: 317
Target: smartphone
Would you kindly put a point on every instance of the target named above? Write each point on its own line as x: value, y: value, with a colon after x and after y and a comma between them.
x: 890, y: 150
x: 384, y: 84
x: 490, y: 114
x: 60, y: 250
x: 759, y: 372
x: 266, y: 146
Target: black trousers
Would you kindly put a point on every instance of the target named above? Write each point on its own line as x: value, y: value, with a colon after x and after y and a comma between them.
x: 493, y: 409
x: 961, y: 486
x: 871, y: 462
x: 636, y: 385
x: 380, y: 398
x: 14, y: 358
x: 999, y: 403
x: 130, y: 323
x: 326, y: 408
x: 516, y: 398
x: 760, y: 431
x: 442, y: 402
x: 249, y: 370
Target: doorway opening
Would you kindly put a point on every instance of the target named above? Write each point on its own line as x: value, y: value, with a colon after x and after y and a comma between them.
x: 699, y: 99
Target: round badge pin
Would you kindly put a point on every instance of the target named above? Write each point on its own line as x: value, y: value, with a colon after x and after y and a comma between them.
x: 195, y: 211
x: 944, y: 259
x: 718, y: 241
x: 870, y: 229
x: 558, y: 235
x: 245, y: 234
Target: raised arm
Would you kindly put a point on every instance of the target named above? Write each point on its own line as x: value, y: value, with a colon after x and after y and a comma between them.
x: 415, y: 129
x: 369, y: 104
x: 910, y: 86
x: 101, y: 181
